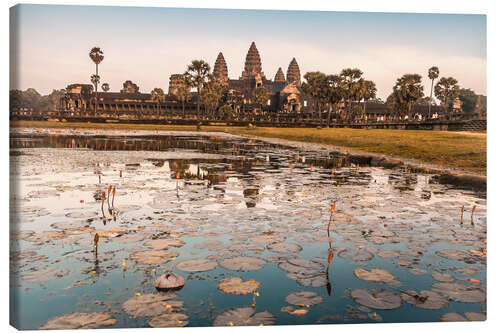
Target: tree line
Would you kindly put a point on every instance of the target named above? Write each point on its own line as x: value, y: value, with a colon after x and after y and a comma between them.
x: 344, y: 94
x: 31, y: 100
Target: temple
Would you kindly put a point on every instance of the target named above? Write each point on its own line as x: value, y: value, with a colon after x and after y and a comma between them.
x: 285, y: 94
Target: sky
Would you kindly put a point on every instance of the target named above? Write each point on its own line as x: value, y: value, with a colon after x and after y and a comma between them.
x: 50, y: 44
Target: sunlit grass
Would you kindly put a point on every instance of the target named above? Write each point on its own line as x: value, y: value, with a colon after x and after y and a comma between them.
x: 462, y: 151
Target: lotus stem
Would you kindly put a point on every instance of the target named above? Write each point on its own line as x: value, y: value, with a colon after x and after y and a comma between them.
x: 113, y: 201
x: 331, y: 218
x: 103, y: 198
x: 96, y: 242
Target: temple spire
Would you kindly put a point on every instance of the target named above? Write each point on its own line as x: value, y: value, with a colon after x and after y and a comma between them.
x: 279, y: 77
x: 293, y: 73
x: 253, y: 65
x: 220, y: 69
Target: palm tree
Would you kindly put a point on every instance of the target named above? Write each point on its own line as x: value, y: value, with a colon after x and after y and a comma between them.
x: 197, y: 74
x: 446, y: 90
x: 433, y: 74
x: 211, y: 95
x: 316, y: 87
x: 97, y: 56
x: 105, y: 87
x: 351, y: 78
x: 407, y: 91
x: 183, y: 93
x: 95, y: 79
x: 158, y: 96
x: 335, y: 93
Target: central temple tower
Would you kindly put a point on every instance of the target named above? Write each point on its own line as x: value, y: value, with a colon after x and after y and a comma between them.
x: 253, y: 65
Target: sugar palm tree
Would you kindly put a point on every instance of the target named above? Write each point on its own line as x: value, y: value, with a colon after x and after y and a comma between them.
x: 197, y: 74
x: 433, y: 74
x: 97, y: 57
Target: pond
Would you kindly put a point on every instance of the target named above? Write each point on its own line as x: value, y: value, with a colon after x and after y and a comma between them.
x: 244, y: 222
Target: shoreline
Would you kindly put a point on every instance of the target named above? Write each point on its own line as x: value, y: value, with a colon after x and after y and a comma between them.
x: 459, y: 178
x: 446, y: 174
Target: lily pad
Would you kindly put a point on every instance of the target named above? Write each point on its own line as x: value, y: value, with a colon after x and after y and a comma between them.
x: 460, y: 293
x: 169, y: 281
x: 46, y: 236
x: 244, y: 317
x: 242, y: 247
x: 305, y: 272
x: 236, y: 285
x: 298, y: 265
x: 152, y: 304
x: 243, y: 263
x: 163, y: 244
x: 284, y: 247
x: 356, y: 254
x: 304, y: 298
x: 376, y: 298
x: 458, y: 255
x: 211, y: 245
x: 426, y: 299
x: 70, y: 225
x: 467, y: 270
x: 374, y: 275
x: 79, y: 320
x: 267, y: 238
x: 418, y: 271
x: 133, y: 237
x: 196, y: 265
x: 45, y: 274
x: 442, y: 277
x: 169, y: 320
x: 388, y: 254
x: 153, y: 257
x: 81, y: 214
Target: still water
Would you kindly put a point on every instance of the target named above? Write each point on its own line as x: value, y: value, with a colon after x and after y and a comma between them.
x: 399, y: 248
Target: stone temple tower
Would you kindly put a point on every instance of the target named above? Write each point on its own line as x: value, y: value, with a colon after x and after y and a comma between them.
x: 293, y: 73
x: 279, y: 77
x: 220, y: 69
x: 253, y: 66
